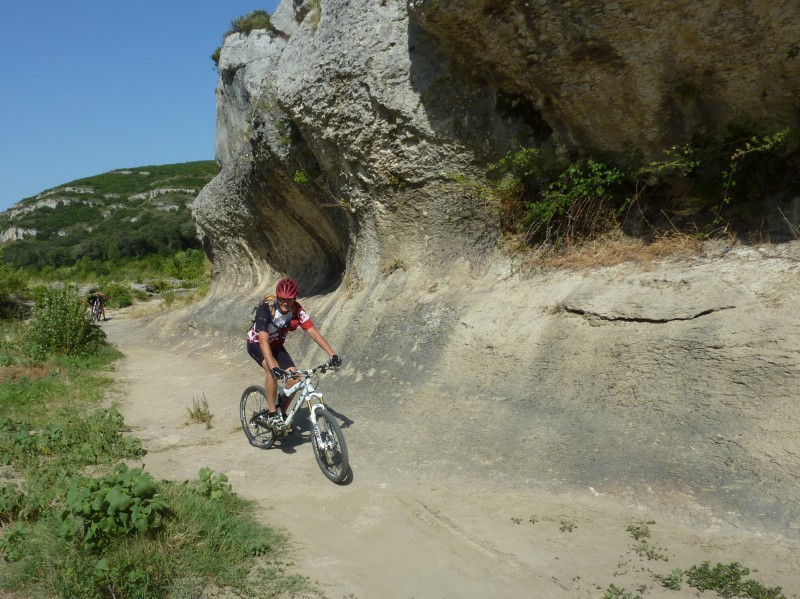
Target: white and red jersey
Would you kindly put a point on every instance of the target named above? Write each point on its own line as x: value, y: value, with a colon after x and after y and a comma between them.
x: 279, y: 325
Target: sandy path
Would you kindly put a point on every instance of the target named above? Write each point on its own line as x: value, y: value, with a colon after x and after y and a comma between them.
x: 409, y: 526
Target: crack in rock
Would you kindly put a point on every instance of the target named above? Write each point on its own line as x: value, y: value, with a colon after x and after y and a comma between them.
x: 589, y: 315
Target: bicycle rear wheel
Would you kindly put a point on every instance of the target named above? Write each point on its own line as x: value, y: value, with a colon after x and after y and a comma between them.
x: 332, y: 453
x: 253, y: 414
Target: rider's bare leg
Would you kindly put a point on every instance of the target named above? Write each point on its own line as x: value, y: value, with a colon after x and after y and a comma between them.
x: 271, y: 386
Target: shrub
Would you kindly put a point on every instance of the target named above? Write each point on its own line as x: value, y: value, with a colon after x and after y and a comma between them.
x: 60, y: 325
x: 114, y: 506
x: 752, y: 166
x: 581, y: 203
x: 258, y: 19
x: 728, y: 581
x: 120, y: 295
x: 520, y: 177
x: 12, y: 283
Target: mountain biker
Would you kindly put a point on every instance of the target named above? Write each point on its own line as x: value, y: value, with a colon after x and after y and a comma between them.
x: 273, y: 321
x: 101, y: 297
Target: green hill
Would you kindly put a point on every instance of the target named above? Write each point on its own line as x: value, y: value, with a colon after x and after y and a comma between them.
x: 94, y: 224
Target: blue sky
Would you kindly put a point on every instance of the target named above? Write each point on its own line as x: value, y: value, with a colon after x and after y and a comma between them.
x: 89, y: 86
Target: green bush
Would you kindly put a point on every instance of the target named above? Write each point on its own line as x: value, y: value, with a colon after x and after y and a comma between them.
x: 724, y: 179
x: 555, y: 208
x: 113, y: 506
x: 11, y: 281
x: 120, y: 295
x: 728, y: 581
x: 258, y: 19
x: 60, y: 325
x: 581, y: 203
x: 13, y: 284
x: 519, y: 175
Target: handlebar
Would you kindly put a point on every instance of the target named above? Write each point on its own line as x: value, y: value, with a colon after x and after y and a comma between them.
x: 288, y: 374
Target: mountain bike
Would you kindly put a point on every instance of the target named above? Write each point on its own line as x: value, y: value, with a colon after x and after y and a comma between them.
x: 326, y: 434
x: 97, y: 305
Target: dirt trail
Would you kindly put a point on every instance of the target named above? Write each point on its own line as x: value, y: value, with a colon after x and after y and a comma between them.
x: 410, y: 525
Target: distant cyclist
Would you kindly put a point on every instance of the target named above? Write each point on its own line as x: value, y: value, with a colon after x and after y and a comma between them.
x: 274, y: 320
x: 101, y: 298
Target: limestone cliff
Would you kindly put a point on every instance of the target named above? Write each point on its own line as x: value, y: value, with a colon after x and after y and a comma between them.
x: 342, y: 134
x: 380, y: 105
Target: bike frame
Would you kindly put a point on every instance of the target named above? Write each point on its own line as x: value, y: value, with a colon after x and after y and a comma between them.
x: 305, y: 393
x: 96, y: 308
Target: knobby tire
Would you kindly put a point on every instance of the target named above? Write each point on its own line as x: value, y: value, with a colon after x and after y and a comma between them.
x: 253, y: 403
x: 333, y: 462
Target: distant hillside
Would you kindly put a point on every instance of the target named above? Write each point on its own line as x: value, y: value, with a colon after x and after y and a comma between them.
x: 124, y: 213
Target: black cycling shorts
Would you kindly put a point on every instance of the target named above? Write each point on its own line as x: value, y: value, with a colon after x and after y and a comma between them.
x: 281, y: 355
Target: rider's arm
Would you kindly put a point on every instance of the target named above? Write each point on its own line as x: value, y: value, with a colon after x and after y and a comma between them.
x: 320, y: 340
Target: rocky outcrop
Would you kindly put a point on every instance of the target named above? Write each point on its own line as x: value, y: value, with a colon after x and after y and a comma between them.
x: 16, y: 233
x: 345, y: 131
x: 606, y: 78
x: 345, y: 137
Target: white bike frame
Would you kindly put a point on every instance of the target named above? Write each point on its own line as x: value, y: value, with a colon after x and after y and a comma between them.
x: 305, y: 393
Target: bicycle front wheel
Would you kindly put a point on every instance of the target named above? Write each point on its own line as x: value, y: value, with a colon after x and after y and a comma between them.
x: 330, y: 449
x: 253, y: 414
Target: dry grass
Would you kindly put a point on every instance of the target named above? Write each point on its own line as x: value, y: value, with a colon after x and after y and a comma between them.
x: 31, y: 372
x: 613, y: 249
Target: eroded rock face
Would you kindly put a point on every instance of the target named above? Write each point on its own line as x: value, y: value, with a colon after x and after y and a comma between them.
x: 379, y: 129
x: 343, y: 138
x: 347, y: 133
x: 606, y: 76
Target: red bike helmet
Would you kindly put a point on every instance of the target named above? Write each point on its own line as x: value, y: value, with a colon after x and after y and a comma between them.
x: 287, y: 288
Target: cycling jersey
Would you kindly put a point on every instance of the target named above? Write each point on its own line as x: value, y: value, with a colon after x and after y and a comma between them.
x: 280, y: 325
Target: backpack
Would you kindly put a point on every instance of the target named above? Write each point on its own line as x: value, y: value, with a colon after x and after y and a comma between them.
x: 272, y: 299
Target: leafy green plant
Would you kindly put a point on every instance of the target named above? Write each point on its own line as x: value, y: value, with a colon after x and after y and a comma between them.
x: 728, y: 581
x: 60, y: 326
x: 640, y: 529
x: 116, y: 505
x: 672, y: 580
x: 213, y: 487
x: 516, y: 178
x: 650, y: 552
x: 582, y: 202
x: 301, y: 177
x: 12, y: 503
x: 615, y: 592
x: 12, y: 544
